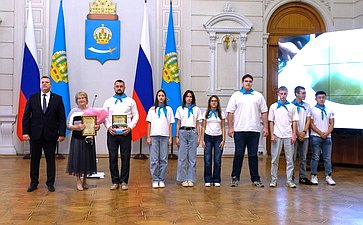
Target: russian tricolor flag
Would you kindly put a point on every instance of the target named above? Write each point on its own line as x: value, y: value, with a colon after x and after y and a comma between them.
x: 30, y: 79
x: 143, y: 86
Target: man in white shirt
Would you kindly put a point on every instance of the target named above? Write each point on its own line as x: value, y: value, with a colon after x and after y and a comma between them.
x: 322, y: 124
x: 125, y: 107
x: 245, y: 109
x: 302, y: 142
x: 282, y: 117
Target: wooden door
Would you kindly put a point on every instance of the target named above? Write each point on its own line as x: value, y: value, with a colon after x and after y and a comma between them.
x: 291, y: 19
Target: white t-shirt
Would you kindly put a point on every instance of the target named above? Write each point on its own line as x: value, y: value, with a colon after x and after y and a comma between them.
x: 185, y: 121
x: 283, y: 119
x: 213, y: 125
x: 126, y: 107
x: 321, y: 124
x: 303, y: 114
x: 160, y: 126
x: 247, y: 110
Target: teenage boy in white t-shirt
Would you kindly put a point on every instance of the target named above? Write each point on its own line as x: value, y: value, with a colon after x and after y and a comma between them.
x: 322, y: 124
x: 302, y: 132
x: 245, y: 109
x: 282, y: 117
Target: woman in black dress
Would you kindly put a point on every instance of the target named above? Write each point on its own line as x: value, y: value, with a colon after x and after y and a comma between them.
x: 82, y: 151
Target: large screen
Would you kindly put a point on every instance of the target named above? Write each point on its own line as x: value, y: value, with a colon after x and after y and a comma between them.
x: 332, y: 62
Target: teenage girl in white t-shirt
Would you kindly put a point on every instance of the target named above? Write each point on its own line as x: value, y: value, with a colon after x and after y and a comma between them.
x: 213, y: 137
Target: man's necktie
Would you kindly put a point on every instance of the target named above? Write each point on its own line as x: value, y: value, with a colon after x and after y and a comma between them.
x: 44, y: 103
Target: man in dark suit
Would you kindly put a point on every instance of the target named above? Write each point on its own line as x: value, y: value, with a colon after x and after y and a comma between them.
x: 44, y: 124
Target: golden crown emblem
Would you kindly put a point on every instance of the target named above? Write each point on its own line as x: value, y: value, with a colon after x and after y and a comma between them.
x: 102, y: 35
x: 59, y: 70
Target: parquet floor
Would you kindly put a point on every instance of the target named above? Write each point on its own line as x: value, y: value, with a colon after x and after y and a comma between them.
x: 245, y: 204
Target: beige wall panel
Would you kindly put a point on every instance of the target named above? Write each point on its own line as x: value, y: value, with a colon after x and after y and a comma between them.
x: 6, y: 66
x: 7, y: 34
x: 257, y: 23
x: 6, y: 50
x: 254, y: 54
x: 199, y: 21
x: 199, y: 84
x: 6, y: 97
x: 200, y: 38
x: 343, y: 10
x: 254, y: 39
x: 343, y: 24
x: 255, y: 69
x: 6, y: 82
x: 7, y: 19
x: 214, y: 7
x: 200, y: 69
x: 200, y: 53
x: 7, y: 5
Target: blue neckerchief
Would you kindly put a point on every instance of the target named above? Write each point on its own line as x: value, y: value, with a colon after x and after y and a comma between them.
x: 211, y: 113
x: 162, y: 107
x: 299, y: 105
x: 322, y: 108
x: 279, y: 104
x: 190, y: 109
x: 244, y: 92
x: 119, y: 98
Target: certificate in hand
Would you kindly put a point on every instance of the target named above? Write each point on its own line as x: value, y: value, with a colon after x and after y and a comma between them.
x: 89, y: 122
x: 119, y: 123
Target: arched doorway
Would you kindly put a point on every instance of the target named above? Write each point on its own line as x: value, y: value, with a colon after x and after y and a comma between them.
x: 291, y: 19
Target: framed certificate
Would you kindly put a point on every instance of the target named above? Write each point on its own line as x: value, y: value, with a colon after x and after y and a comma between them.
x: 89, y: 122
x: 119, y: 123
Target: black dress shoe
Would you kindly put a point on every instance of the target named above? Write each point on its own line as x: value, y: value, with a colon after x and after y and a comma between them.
x: 51, y: 188
x: 32, y: 187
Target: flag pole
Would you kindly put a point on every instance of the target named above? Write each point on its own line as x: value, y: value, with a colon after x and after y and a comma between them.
x: 140, y: 155
x: 172, y: 155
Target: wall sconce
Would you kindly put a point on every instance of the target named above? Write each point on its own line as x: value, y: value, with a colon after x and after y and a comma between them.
x: 228, y: 40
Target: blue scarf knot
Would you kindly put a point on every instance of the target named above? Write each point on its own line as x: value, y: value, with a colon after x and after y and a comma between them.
x: 190, y: 109
x: 279, y: 104
x: 119, y: 98
x: 322, y: 108
x: 299, y: 105
x: 162, y: 107
x: 211, y: 113
x: 244, y: 92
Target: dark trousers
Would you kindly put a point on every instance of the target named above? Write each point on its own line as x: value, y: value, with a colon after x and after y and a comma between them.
x: 241, y: 140
x: 113, y: 144
x: 212, y: 153
x: 36, y: 147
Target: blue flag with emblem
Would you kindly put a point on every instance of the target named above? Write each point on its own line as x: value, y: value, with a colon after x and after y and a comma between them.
x: 102, y: 32
x: 59, y: 70
x: 171, y: 81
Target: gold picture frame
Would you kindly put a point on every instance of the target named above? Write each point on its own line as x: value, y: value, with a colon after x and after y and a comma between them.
x: 89, y: 122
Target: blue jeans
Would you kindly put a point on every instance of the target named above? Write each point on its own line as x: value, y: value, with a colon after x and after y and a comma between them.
x: 302, y: 149
x: 241, y: 140
x: 187, y: 157
x: 275, y: 156
x: 319, y: 145
x: 212, y: 143
x: 158, y: 157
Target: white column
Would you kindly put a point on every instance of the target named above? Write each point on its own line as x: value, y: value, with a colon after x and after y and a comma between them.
x: 6, y: 134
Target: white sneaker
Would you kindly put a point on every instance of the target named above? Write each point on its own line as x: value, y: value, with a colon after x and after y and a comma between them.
x: 217, y: 184
x: 207, y: 184
x: 155, y: 184
x: 190, y: 184
x: 329, y: 180
x: 291, y: 184
x: 273, y: 183
x: 314, y: 179
x: 185, y: 184
x: 124, y: 186
x: 161, y: 184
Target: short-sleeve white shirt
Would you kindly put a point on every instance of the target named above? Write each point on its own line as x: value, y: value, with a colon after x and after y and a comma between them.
x: 247, y: 110
x: 303, y: 115
x: 213, y: 125
x: 283, y: 119
x: 160, y: 125
x: 321, y: 124
x: 126, y: 107
x: 185, y: 121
